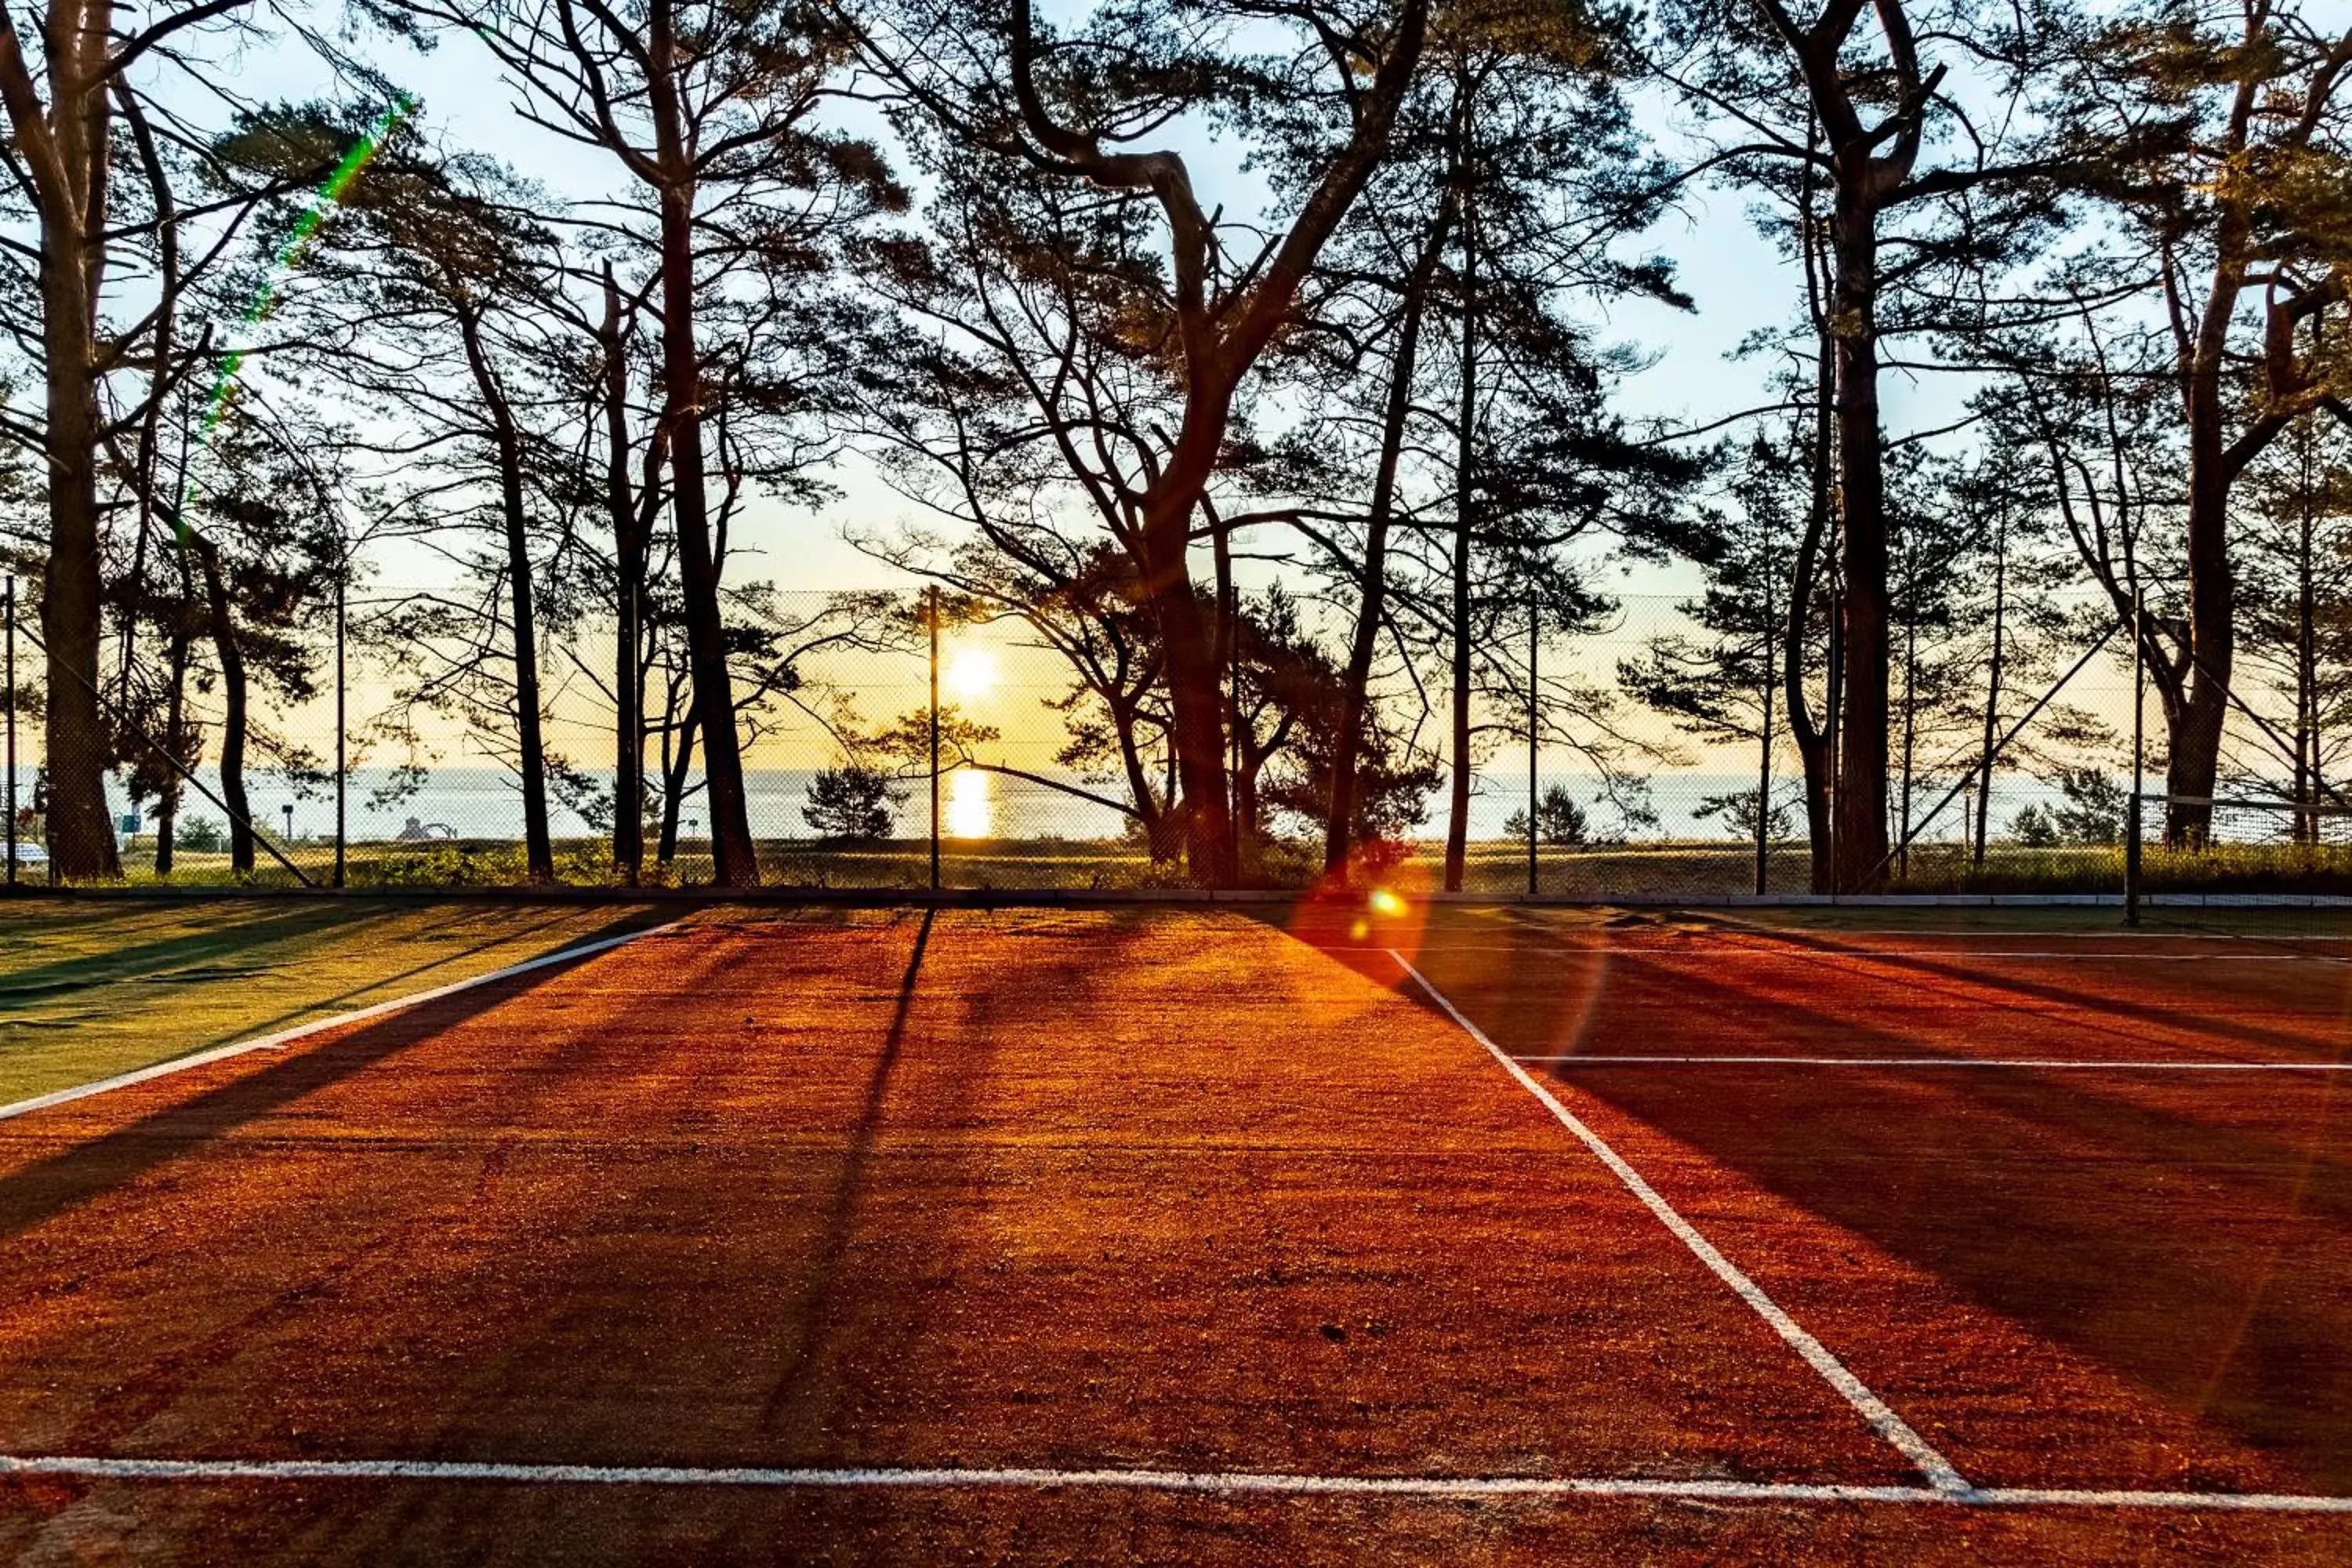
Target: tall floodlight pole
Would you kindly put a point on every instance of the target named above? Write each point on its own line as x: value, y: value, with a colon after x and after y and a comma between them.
x: 11, y: 732
x: 934, y: 618
x: 1764, y: 761
x: 2139, y: 756
x: 342, y: 768
x: 1535, y: 735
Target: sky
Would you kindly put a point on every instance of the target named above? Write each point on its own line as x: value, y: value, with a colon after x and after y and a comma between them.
x: 1736, y: 279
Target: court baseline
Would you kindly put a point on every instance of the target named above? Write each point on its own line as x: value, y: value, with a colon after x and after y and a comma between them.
x: 1214, y: 1482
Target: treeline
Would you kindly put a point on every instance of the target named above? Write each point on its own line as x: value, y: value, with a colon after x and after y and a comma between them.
x: 1260, y: 358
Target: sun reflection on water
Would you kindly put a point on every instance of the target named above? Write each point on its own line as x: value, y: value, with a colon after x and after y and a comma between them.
x: 970, y: 810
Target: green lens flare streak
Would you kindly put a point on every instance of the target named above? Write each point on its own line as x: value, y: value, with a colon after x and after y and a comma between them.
x: 322, y: 201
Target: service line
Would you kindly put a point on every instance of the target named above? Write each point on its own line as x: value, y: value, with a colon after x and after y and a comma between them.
x: 319, y: 1025
x: 1941, y: 1473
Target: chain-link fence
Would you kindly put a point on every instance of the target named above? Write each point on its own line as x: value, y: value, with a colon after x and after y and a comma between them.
x: 1648, y: 757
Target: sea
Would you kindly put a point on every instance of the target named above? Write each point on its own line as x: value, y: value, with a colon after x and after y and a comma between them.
x: 476, y: 802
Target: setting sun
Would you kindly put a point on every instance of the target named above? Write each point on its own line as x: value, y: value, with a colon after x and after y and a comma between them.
x: 971, y: 674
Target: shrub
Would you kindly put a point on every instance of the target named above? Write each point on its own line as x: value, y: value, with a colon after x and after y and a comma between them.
x: 200, y: 834
x: 1559, y: 820
x: 1737, y: 812
x: 2032, y: 828
x: 2092, y: 814
x: 2095, y: 808
x: 851, y: 804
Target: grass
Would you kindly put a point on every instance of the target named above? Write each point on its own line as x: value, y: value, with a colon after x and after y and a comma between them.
x: 87, y: 990
x: 1694, y: 869
x: 2217, y: 868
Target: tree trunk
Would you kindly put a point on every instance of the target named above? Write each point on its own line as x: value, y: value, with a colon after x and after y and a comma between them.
x: 2306, y: 656
x: 1860, y: 808
x: 1371, y: 580
x: 1124, y: 719
x: 80, y: 837
x: 629, y: 573
x: 1193, y: 687
x: 1458, y: 811
x: 735, y: 860
x: 1814, y: 750
x: 1245, y: 795
x: 1910, y: 739
x: 539, y: 849
x: 167, y: 806
x: 675, y: 767
x: 1226, y: 649
x: 506, y: 445
x: 233, y: 698
x: 2194, y: 720
x: 1993, y: 681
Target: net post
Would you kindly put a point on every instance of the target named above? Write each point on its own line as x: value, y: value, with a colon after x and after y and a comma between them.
x: 2132, y: 830
x: 12, y: 730
x: 1535, y: 730
x: 932, y: 616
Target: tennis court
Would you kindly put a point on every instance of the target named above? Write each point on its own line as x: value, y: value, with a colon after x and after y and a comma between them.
x: 1299, y: 1235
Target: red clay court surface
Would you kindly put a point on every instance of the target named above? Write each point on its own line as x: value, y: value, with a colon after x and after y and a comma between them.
x: 1198, y: 1238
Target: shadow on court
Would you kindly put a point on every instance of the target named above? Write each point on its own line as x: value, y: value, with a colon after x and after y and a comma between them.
x: 2211, y: 1018
x: 815, y: 1311
x: 2193, y: 1236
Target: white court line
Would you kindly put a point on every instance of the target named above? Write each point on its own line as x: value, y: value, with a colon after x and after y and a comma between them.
x: 2039, y: 935
x: 1974, y: 952
x: 1791, y: 950
x: 2036, y: 1063
x: 2110, y: 933
x: 1940, y: 1472
x: 316, y: 1026
x: 1214, y: 1482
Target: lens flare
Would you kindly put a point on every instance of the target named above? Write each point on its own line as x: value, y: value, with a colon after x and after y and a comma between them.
x: 290, y: 255
x: 1384, y: 903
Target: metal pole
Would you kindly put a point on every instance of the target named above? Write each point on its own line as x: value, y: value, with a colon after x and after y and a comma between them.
x: 1535, y: 735
x: 11, y: 732
x: 1836, y: 681
x: 1764, y: 766
x: 2139, y: 743
x: 342, y: 762
x: 934, y: 618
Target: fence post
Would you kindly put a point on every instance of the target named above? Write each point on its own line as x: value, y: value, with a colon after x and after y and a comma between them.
x: 2139, y: 741
x: 1764, y: 764
x: 1535, y: 736
x: 11, y: 732
x: 342, y: 770
x: 933, y: 617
